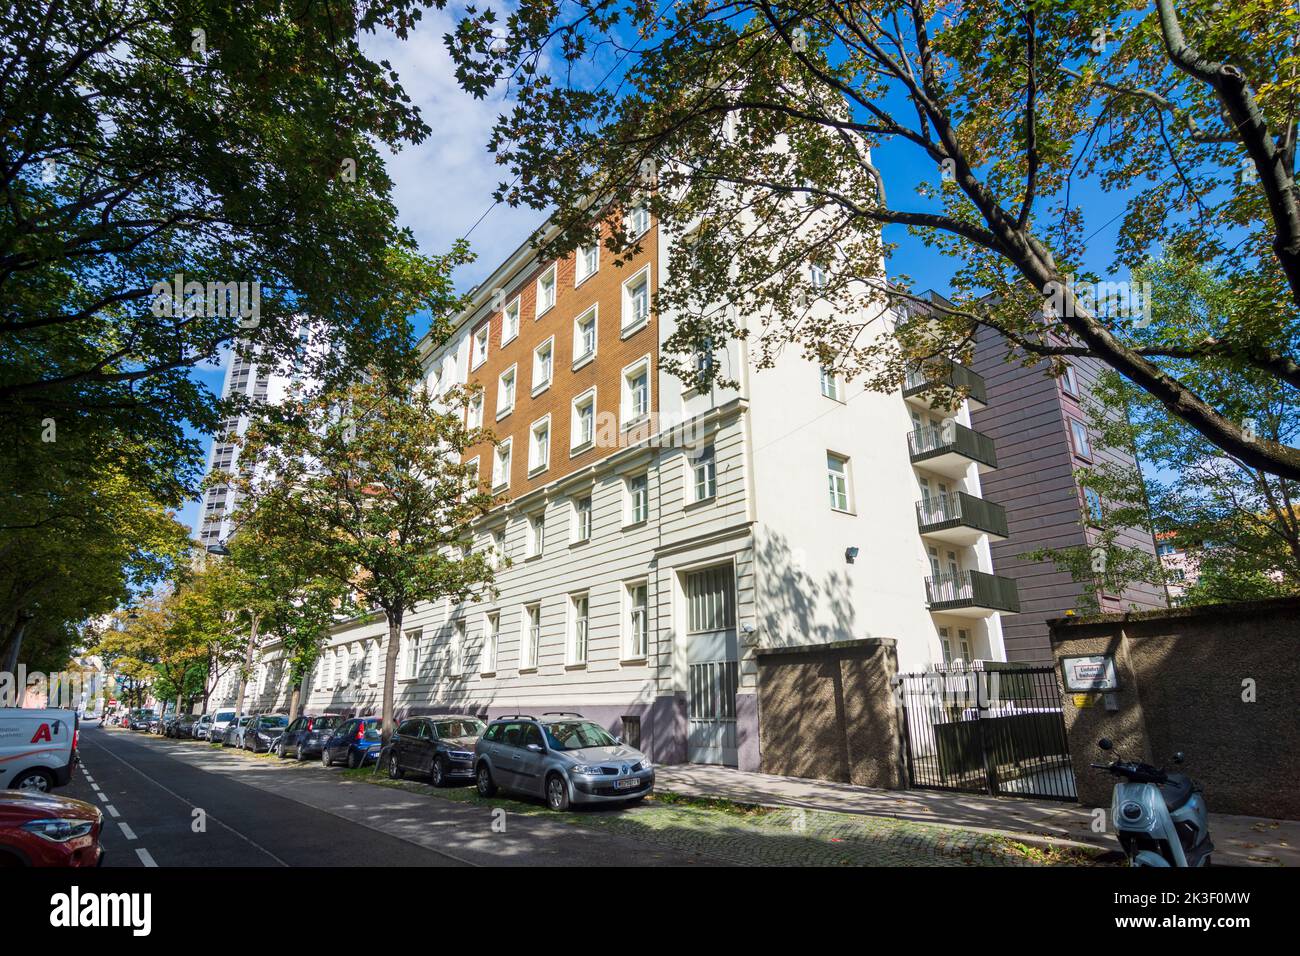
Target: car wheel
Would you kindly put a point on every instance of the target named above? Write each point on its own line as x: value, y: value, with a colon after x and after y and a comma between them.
x: 40, y: 781
x: 486, y: 785
x: 353, y: 760
x: 279, y: 749
x: 438, y: 773
x: 325, y: 758
x: 299, y: 754
x: 557, y: 794
x: 394, y: 770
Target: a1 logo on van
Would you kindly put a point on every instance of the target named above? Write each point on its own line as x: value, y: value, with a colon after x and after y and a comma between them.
x: 42, y: 733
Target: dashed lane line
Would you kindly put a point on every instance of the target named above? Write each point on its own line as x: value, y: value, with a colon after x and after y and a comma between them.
x: 126, y: 830
x: 145, y: 858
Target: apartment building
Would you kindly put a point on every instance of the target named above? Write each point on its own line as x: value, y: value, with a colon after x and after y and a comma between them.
x: 1040, y: 427
x: 655, y: 535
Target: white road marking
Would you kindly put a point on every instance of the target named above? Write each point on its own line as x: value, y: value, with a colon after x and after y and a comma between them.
x: 112, y: 811
x: 95, y: 787
x: 145, y: 858
x: 103, y: 796
x: 126, y: 830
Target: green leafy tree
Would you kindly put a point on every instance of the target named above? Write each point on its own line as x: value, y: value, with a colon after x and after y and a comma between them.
x: 365, y: 488
x: 748, y: 128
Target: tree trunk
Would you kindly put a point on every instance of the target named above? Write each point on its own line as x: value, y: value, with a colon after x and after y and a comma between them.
x: 16, y: 643
x: 390, y: 668
x: 248, y: 666
x: 295, y: 700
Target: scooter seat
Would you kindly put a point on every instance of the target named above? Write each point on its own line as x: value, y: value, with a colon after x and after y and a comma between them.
x: 1177, y: 791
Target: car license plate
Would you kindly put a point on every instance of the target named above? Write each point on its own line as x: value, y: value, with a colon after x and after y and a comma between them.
x: 627, y: 784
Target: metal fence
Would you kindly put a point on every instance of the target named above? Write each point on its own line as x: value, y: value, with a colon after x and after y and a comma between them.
x: 998, y: 731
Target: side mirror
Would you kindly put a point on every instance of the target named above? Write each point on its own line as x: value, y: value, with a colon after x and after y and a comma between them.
x: 1178, y: 757
x: 618, y: 740
x: 1105, y: 744
x: 536, y: 748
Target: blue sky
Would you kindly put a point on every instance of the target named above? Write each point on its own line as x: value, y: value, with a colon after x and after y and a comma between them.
x: 444, y: 185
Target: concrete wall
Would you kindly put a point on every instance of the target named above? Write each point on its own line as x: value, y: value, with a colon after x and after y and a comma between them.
x: 828, y: 712
x: 1184, y: 680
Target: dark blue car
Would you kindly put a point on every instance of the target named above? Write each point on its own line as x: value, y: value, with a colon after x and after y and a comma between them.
x: 307, y: 735
x: 356, y: 741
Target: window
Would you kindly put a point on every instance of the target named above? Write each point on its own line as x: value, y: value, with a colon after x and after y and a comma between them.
x: 817, y: 276
x: 376, y: 651
x: 582, y: 518
x: 710, y: 599
x: 584, y: 419
x: 498, y: 549
x: 510, y: 321
x: 837, y: 476
x: 536, y: 534
x: 636, y: 301
x: 632, y: 731
x: 1092, y: 501
x: 831, y: 385
x: 411, y: 664
x: 491, y: 638
x: 584, y: 337
x: 480, y: 347
x: 474, y: 417
x: 543, y: 362
x: 638, y: 498
x: 501, y: 465
x: 546, y: 291
x: 531, y: 637
x: 588, y: 261
x: 580, y: 608
x: 456, y: 662
x: 638, y: 221
x: 506, y: 392
x: 539, y: 446
x: 704, y: 476
x: 1069, y: 382
x: 638, y: 620
x: 636, y: 392
x: 1079, y: 434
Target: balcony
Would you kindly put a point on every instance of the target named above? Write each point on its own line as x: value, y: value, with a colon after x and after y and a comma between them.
x: 960, y: 518
x: 972, y: 594
x: 945, y: 374
x: 948, y: 449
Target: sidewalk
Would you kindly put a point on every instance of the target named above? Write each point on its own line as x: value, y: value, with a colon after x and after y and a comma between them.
x: 1238, y: 841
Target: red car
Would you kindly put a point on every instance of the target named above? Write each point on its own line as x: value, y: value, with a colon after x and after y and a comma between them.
x: 41, y: 829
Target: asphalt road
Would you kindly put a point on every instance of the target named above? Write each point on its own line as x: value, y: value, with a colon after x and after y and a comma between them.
x: 181, y: 803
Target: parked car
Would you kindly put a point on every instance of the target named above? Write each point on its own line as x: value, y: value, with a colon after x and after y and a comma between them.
x: 199, y: 731
x: 355, y: 741
x: 43, y: 829
x: 563, y: 758
x: 306, y: 736
x: 263, y: 731
x: 140, y: 719
x: 38, y: 747
x: 440, y: 747
x: 234, y: 735
x: 183, y: 725
x: 220, y: 721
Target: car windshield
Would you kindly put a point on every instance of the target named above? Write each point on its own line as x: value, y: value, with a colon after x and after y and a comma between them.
x: 458, y: 728
x: 325, y: 723
x: 225, y: 715
x: 275, y: 722
x: 577, y: 734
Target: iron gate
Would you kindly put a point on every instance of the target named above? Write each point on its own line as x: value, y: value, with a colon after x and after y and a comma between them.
x: 996, y: 731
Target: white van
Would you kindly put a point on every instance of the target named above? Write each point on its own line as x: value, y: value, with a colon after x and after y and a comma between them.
x: 38, y: 747
x: 221, y: 719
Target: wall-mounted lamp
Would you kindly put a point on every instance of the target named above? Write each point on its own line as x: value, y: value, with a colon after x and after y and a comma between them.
x: 747, y: 628
x: 850, y: 554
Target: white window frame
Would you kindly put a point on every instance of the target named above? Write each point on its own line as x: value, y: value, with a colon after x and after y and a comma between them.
x: 581, y: 358
x: 636, y: 228
x: 580, y: 273
x: 629, y: 323
x: 536, y: 534
x: 577, y: 443
x: 694, y: 464
x: 628, y: 417
x: 530, y: 637
x: 542, y: 384
x: 839, y: 484
x: 630, y: 516
x: 817, y: 276
x: 456, y: 649
x: 553, y: 273
x: 579, y: 642
x: 631, y: 651
x: 1070, y: 382
x: 512, y: 373
x: 539, y: 456
x: 502, y: 462
x: 831, y: 386
x: 508, y: 324
x: 487, y: 663
x: 411, y: 654
x: 474, y: 412
x: 479, y: 350
x: 576, y: 533
x: 1079, y: 439
x: 376, y: 653
x: 497, y: 549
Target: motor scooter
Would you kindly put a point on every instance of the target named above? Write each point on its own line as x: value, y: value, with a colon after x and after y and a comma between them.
x: 1161, y: 818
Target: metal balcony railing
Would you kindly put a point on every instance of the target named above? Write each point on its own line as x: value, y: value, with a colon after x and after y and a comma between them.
x: 972, y: 589
x: 929, y: 441
x: 952, y: 374
x: 958, y: 508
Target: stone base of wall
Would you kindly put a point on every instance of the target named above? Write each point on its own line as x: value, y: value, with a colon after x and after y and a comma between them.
x: 828, y: 712
x: 1217, y: 683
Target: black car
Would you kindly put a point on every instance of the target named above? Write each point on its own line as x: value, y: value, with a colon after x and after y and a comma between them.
x: 263, y: 732
x: 440, y: 747
x: 305, y: 736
